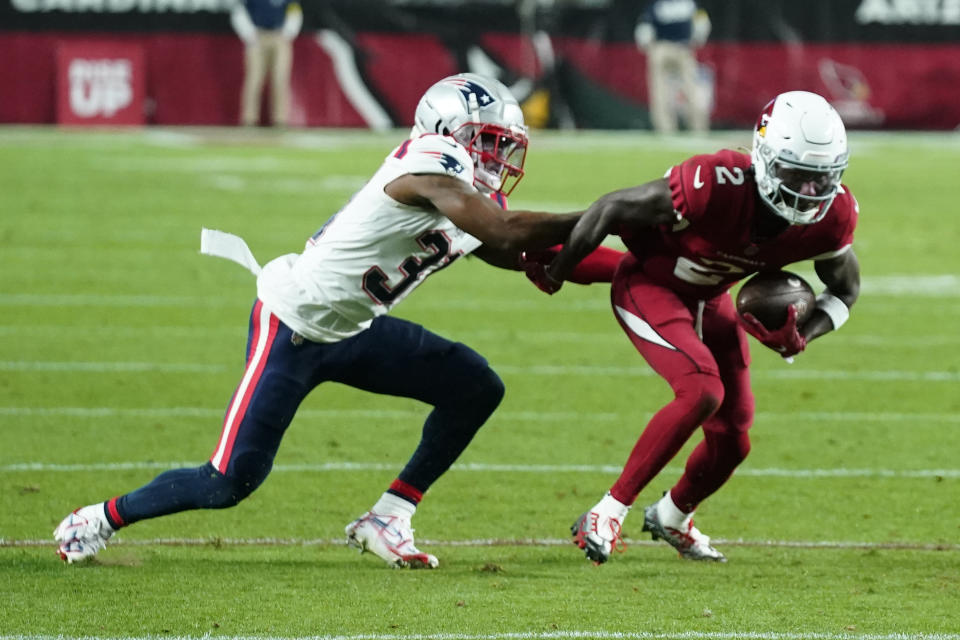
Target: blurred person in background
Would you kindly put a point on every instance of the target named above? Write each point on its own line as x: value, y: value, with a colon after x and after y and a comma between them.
x: 267, y: 28
x: 670, y: 31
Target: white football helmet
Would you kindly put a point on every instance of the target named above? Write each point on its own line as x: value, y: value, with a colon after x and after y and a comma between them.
x: 799, y: 154
x: 482, y: 116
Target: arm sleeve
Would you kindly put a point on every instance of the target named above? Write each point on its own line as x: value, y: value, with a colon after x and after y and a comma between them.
x: 846, y: 211
x: 643, y: 35
x: 598, y: 266
x: 691, y: 183
x: 432, y: 153
x: 242, y: 24
x: 293, y: 21
x: 701, y: 27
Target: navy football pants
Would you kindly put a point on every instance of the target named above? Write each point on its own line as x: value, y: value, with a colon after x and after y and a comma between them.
x: 393, y: 357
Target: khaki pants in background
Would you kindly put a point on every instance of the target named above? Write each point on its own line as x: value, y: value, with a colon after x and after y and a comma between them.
x: 671, y: 65
x: 273, y: 54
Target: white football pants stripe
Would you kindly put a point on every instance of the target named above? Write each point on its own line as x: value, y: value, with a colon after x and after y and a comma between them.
x: 641, y: 328
x: 232, y: 423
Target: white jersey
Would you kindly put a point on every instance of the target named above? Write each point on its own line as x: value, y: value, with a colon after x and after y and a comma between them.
x: 372, y: 253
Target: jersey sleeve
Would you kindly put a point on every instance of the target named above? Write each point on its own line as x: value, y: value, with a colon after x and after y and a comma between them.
x: 841, y: 222
x: 431, y: 153
x: 691, y: 184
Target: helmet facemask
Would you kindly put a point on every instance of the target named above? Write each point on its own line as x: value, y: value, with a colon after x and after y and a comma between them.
x: 797, y: 191
x: 498, y: 154
x: 799, y: 155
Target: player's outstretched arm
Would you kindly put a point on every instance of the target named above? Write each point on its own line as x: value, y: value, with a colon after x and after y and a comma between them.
x: 841, y: 275
x: 644, y: 206
x: 481, y: 217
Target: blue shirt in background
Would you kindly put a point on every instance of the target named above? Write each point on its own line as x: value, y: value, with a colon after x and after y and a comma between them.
x: 267, y: 14
x: 671, y: 19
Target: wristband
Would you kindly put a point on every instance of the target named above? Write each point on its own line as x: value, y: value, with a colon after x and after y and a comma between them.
x: 835, y: 308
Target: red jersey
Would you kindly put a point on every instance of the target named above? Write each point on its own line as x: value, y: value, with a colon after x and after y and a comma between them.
x: 714, y: 244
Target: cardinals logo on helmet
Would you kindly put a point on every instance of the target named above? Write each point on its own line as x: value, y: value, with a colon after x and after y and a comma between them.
x: 764, y: 119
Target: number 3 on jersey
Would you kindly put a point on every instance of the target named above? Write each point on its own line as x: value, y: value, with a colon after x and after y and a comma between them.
x: 375, y: 281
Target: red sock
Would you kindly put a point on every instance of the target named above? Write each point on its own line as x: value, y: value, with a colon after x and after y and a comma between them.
x: 406, y: 491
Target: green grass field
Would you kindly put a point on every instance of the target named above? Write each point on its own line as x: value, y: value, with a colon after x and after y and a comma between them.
x: 120, y: 346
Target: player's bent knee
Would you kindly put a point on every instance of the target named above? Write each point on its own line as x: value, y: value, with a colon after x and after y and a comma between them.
x: 743, y: 446
x: 478, y: 381
x: 245, y: 474
x: 741, y: 418
x: 703, y: 393
x: 491, y: 387
x: 733, y: 447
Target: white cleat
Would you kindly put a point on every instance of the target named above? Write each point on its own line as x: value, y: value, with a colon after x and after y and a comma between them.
x: 689, y: 541
x: 598, y: 531
x: 391, y: 538
x: 82, y: 533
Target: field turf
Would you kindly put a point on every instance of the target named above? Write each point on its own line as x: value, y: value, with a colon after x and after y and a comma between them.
x: 120, y: 346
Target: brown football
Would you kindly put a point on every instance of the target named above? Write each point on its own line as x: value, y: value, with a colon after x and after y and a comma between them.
x: 767, y: 295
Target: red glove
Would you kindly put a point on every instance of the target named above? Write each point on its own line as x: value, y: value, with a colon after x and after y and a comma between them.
x: 786, y: 340
x: 534, y: 264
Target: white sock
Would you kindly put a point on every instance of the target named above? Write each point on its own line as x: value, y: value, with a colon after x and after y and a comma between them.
x: 391, y: 505
x: 613, y: 507
x: 669, y: 514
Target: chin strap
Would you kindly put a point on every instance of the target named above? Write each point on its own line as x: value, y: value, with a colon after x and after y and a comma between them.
x: 835, y: 308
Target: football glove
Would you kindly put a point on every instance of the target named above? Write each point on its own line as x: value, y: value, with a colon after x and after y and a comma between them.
x: 534, y: 264
x: 786, y: 340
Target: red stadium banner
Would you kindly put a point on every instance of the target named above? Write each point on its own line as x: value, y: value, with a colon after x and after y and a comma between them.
x: 884, y: 64
x: 100, y: 83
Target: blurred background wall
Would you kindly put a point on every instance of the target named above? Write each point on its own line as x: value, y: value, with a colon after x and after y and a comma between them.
x: 885, y: 64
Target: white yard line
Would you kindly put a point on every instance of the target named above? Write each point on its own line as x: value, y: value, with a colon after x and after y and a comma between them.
x: 481, y: 467
x: 798, y: 417
x: 930, y: 285
x: 759, y: 375
x: 495, y: 542
x: 611, y: 337
x: 533, y: 635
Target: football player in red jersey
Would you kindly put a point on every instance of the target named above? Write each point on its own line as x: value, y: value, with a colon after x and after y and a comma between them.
x: 735, y: 214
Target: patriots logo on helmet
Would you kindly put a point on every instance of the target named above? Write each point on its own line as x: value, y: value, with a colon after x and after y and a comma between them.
x: 448, y: 162
x: 466, y: 87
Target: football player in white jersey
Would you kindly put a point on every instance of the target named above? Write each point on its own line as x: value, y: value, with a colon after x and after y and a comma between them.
x: 321, y: 316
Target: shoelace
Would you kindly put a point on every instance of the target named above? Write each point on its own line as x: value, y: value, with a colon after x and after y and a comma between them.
x: 617, y: 543
x: 689, y: 535
x: 397, y: 527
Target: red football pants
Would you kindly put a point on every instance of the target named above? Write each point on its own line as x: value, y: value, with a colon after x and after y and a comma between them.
x: 710, y: 379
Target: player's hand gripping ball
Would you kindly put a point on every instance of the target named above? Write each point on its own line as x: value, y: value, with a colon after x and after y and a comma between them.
x: 772, y: 306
